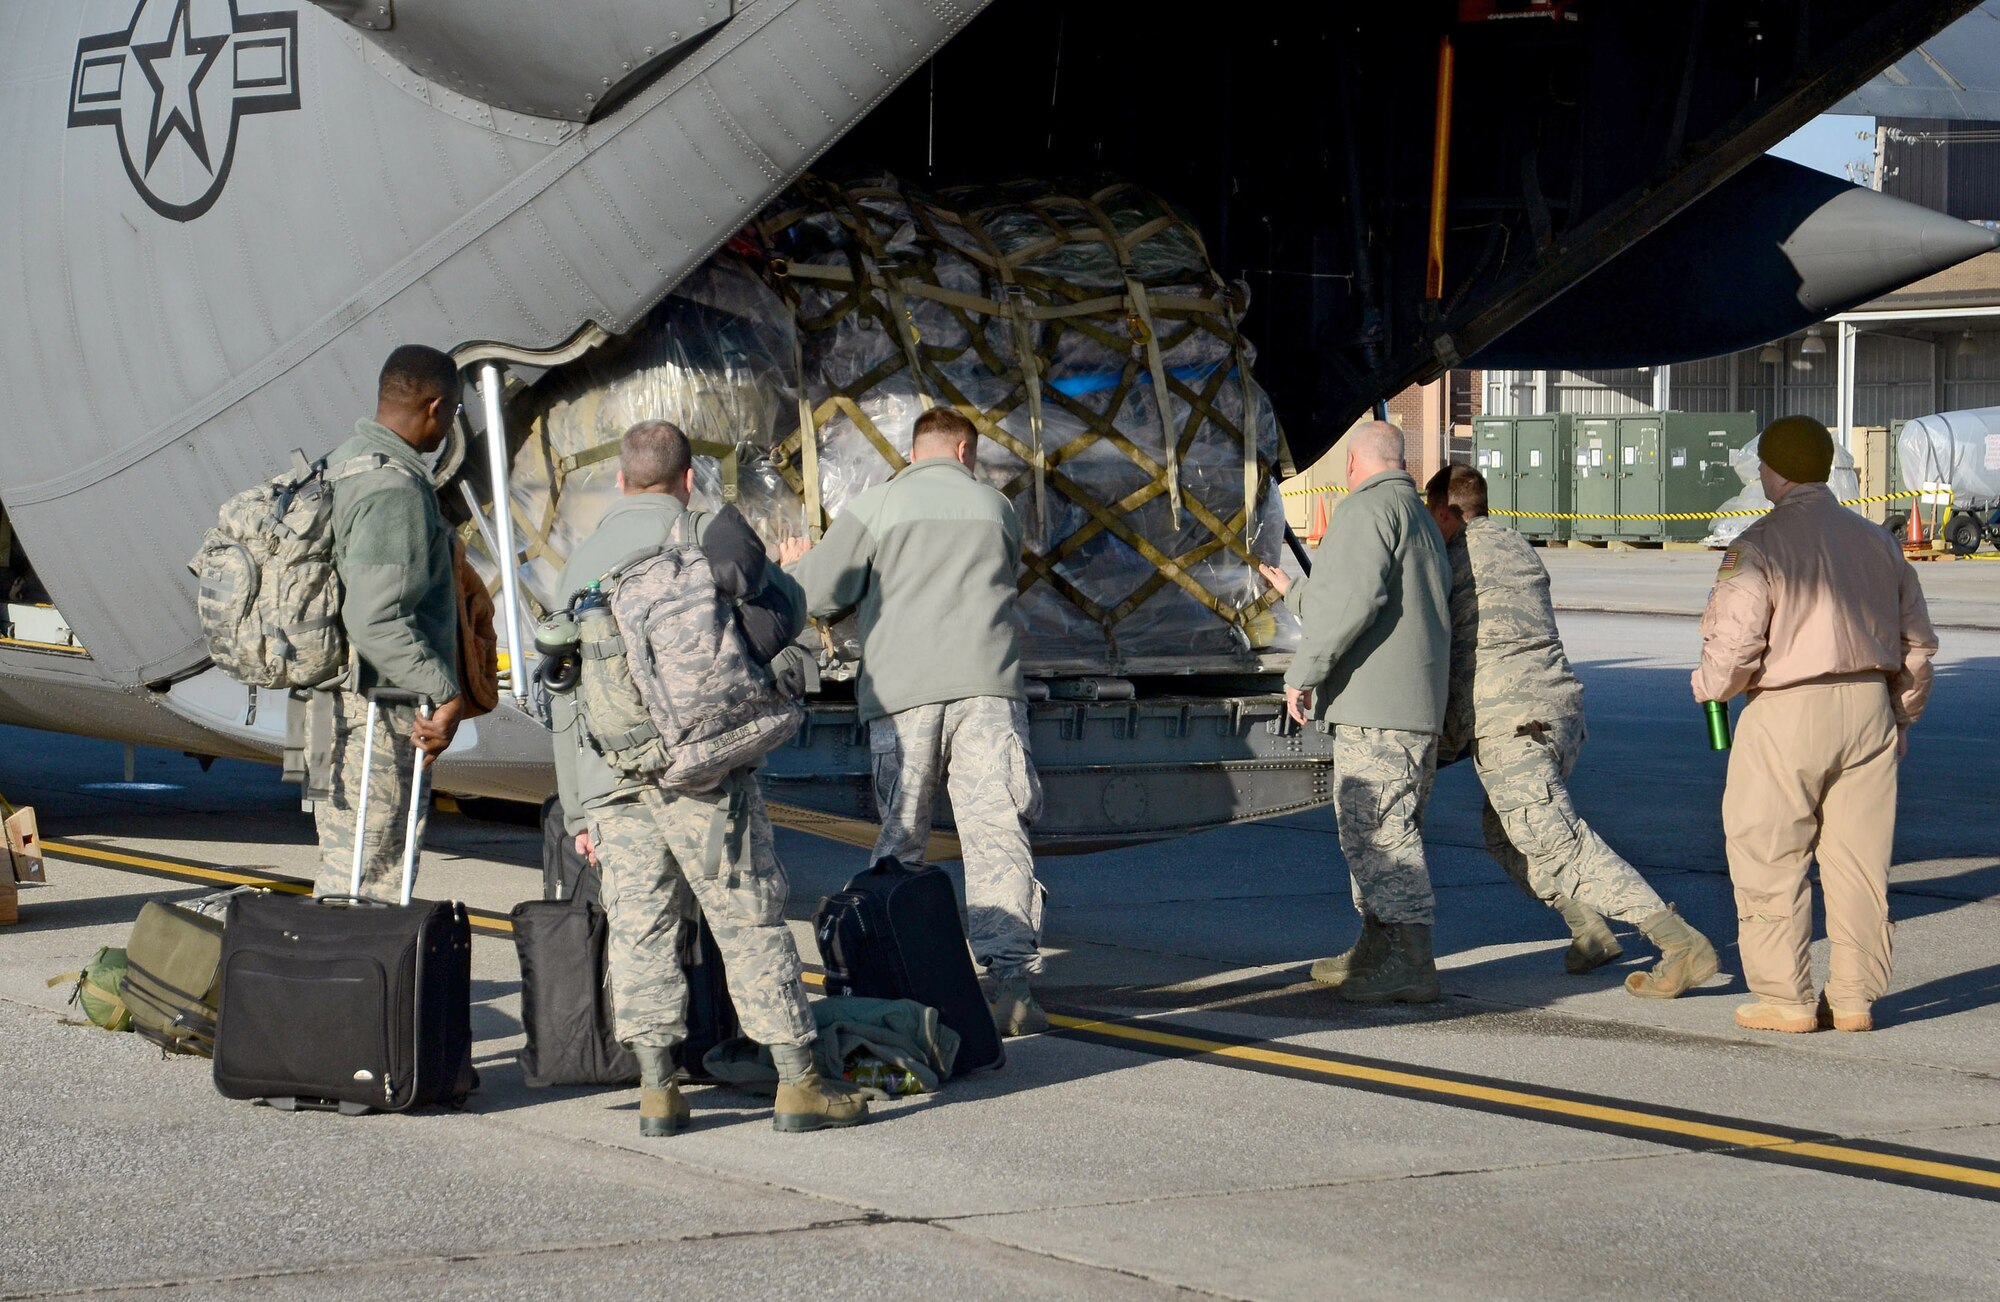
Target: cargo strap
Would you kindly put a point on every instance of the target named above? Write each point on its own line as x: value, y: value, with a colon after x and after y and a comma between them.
x: 1252, y: 477
x: 808, y: 438
x: 537, y: 537
x: 85, y: 986
x: 1141, y: 320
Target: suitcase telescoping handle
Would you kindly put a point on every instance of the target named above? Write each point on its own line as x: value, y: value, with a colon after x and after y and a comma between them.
x: 377, y: 698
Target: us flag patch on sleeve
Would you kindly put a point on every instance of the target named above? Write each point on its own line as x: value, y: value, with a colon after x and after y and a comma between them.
x: 1728, y: 564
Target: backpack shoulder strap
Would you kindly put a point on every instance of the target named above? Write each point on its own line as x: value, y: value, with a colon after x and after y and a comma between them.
x: 366, y: 462
x: 617, y: 571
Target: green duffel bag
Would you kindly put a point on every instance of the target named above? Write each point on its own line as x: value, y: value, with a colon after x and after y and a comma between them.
x: 174, y: 977
x: 99, y: 990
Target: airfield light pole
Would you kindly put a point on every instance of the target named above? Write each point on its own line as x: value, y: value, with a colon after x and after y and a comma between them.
x: 503, y: 524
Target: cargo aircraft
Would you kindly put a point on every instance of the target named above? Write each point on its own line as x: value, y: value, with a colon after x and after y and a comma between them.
x: 221, y: 214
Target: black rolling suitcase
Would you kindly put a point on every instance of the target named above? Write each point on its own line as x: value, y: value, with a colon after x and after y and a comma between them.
x: 348, y: 1003
x: 566, y: 1005
x: 894, y: 933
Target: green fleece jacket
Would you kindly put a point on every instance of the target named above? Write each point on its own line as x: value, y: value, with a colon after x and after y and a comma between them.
x: 928, y: 563
x: 1376, y: 640
x: 392, y: 550
x: 636, y: 522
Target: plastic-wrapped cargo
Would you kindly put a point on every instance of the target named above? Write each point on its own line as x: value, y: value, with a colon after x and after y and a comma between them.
x: 1845, y: 481
x: 1062, y: 325
x: 1959, y: 448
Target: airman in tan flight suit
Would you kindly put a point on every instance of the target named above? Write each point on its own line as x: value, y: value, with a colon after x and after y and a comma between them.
x: 1819, y: 618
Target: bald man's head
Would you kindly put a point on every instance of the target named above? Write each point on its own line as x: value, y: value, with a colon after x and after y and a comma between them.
x: 1373, y: 448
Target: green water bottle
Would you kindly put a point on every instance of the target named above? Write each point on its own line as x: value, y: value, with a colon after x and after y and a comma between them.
x: 1718, y: 724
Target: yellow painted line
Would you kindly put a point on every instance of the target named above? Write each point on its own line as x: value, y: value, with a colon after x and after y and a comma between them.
x: 1633, y: 1119
x: 224, y: 876
x: 941, y: 847
x: 1630, y: 1118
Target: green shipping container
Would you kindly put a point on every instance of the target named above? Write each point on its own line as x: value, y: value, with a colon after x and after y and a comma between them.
x: 1656, y: 463
x: 1526, y: 461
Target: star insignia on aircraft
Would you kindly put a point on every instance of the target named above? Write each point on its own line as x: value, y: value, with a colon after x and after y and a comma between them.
x: 176, y: 84
x: 175, y: 68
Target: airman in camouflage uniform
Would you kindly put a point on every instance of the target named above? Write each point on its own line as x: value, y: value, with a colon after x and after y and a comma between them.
x: 344, y: 715
x: 665, y: 854
x: 717, y: 846
x: 1382, y: 781
x: 1372, y: 663
x: 928, y: 564
x: 1517, y: 709
x: 399, y: 610
x: 995, y: 796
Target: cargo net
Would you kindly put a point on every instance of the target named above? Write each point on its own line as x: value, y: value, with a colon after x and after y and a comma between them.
x: 1087, y: 338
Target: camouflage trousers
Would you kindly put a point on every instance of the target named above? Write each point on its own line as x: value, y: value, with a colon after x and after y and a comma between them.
x: 1534, y: 831
x: 661, y: 856
x: 338, y: 792
x: 1382, y: 781
x: 978, y: 749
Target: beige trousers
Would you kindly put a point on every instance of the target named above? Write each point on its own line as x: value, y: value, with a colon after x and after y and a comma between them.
x: 1812, y: 775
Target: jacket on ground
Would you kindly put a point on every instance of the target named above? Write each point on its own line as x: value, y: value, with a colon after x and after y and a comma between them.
x: 1376, y: 640
x: 1813, y: 591
x: 928, y: 562
x: 393, y: 553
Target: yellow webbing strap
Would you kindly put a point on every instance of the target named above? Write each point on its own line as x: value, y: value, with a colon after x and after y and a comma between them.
x: 1142, y: 325
x: 95, y: 991
x: 905, y: 327
x: 836, y: 275
x: 808, y: 437
x: 1036, y: 301
x: 724, y: 453
x: 1031, y: 379
x: 900, y: 322
x: 1249, y: 430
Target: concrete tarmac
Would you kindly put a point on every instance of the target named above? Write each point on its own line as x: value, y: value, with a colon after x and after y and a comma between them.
x: 1227, y: 1129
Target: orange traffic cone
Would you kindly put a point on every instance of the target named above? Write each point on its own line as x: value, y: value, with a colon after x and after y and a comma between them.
x: 1914, y: 535
x: 1317, y: 530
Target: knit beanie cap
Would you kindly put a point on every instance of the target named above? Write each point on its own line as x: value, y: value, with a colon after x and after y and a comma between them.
x: 1799, y: 448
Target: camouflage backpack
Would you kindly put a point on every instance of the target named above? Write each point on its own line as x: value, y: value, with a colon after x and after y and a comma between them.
x: 621, y: 730
x: 715, y: 708
x: 270, y: 599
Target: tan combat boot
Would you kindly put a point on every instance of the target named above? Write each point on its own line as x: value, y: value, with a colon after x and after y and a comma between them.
x: 1830, y: 1018
x: 813, y: 1103
x: 661, y: 1111
x: 1014, y: 1009
x: 1761, y: 1016
x: 1368, y: 950
x: 1407, y: 973
x: 1591, y: 944
x: 1686, y: 958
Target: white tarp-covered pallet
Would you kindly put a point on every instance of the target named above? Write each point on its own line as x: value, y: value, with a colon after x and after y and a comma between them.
x: 1063, y: 326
